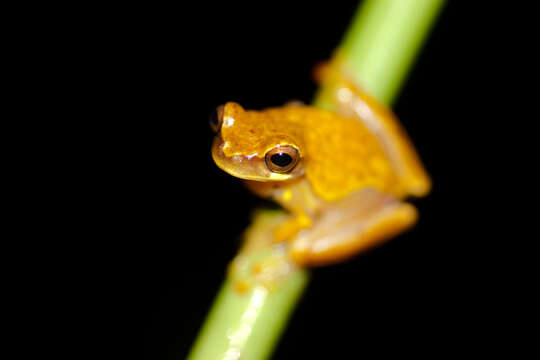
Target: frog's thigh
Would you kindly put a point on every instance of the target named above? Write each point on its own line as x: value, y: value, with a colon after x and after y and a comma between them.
x: 351, y: 226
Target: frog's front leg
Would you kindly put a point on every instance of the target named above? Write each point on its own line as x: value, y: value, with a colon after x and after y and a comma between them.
x: 354, y: 224
x: 291, y: 228
x: 299, y: 200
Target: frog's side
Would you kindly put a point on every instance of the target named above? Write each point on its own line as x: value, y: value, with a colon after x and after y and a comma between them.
x: 342, y: 175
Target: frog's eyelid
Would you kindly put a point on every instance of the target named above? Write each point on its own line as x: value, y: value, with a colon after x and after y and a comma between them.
x: 216, y: 119
x: 220, y: 112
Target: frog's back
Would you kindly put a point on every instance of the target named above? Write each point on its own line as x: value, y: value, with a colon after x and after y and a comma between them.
x: 341, y: 154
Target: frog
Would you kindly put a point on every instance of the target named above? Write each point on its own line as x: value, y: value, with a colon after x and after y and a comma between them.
x: 343, y: 171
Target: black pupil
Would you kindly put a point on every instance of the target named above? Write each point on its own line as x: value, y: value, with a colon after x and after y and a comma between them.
x: 281, y: 159
x: 214, y: 118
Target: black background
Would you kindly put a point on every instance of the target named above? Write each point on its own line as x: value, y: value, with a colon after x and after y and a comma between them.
x: 148, y: 222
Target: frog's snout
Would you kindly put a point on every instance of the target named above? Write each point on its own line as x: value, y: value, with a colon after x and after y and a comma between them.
x: 250, y: 167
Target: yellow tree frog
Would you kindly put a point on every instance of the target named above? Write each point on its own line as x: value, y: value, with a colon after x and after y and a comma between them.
x: 342, y: 174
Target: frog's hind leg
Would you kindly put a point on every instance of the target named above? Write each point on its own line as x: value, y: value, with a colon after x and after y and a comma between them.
x: 359, y: 222
x: 350, y: 100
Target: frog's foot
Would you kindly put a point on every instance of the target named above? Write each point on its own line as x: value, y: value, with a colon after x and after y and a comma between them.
x: 260, y: 260
x: 270, y: 271
x: 354, y: 224
x: 266, y: 268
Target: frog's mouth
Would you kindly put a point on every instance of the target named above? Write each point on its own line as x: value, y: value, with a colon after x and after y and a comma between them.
x: 252, y: 167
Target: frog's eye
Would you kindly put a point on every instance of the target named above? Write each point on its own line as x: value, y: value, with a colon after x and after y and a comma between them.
x: 282, y: 159
x: 216, y: 119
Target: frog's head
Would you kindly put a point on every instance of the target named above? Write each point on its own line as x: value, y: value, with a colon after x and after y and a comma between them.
x: 254, y: 145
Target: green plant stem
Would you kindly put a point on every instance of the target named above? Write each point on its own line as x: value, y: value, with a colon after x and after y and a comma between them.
x: 379, y: 48
x: 384, y: 40
x: 248, y: 324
